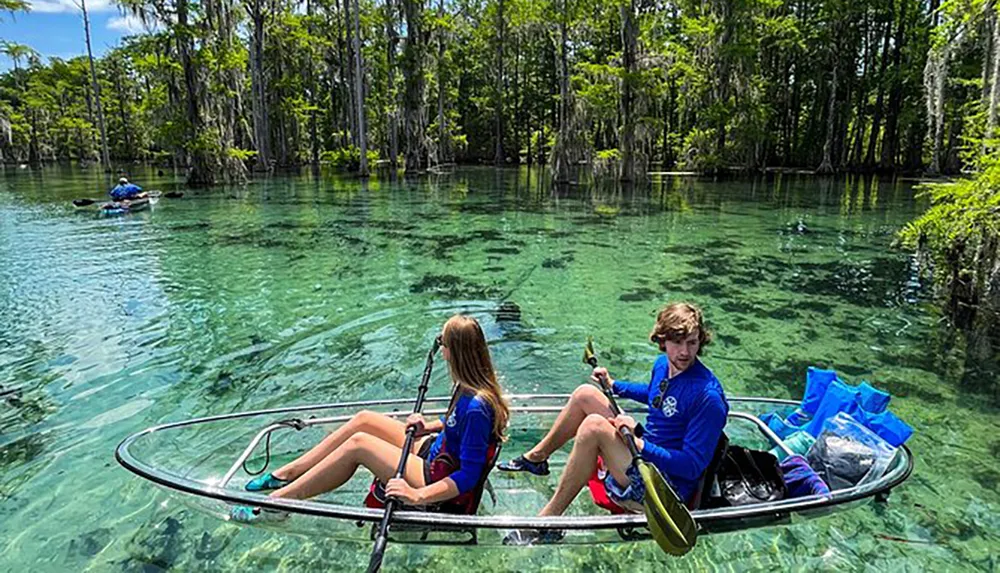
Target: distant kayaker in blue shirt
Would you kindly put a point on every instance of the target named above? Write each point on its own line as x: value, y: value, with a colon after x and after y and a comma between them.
x: 439, y: 469
x: 126, y: 191
x: 687, y: 411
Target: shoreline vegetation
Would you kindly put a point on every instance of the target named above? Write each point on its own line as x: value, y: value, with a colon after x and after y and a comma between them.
x: 223, y: 88
x: 957, y: 242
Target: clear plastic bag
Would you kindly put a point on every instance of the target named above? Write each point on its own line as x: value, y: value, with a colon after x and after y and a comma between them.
x: 847, y: 454
x: 799, y: 443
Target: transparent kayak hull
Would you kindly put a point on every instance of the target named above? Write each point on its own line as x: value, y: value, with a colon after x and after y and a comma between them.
x: 208, y: 461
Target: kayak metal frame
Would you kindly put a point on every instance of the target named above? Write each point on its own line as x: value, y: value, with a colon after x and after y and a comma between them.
x: 899, y: 470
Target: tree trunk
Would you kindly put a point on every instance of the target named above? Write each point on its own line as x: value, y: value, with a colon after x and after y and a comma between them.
x: 629, y: 33
x: 105, y: 159
x: 258, y: 14
x: 890, y: 139
x: 359, y: 97
x: 202, y: 171
x: 393, y: 115
x: 123, y: 115
x: 313, y: 136
x: 791, y: 146
x: 562, y: 156
x: 413, y: 102
x: 343, y: 88
x: 935, y: 73
x: 554, y: 107
x: 668, y: 124
x: 348, y: 75
x: 34, y: 157
x: 90, y: 108
x: 827, y: 166
x: 442, y: 120
x: 498, y: 158
x: 880, y: 98
x: 861, y: 98
x: 987, y: 38
x: 722, y: 71
x: 995, y: 85
x: 531, y: 133
x: 518, y: 99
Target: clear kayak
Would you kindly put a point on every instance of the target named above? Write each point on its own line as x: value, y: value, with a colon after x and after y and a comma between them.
x: 208, y: 460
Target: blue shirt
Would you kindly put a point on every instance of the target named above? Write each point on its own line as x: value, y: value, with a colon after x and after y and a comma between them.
x: 125, y: 191
x: 468, y: 432
x: 680, y: 436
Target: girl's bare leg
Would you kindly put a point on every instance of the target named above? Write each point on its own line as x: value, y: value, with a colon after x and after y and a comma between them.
x: 361, y: 449
x: 372, y: 423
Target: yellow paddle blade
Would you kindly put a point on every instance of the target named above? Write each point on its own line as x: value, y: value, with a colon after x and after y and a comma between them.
x: 588, y: 352
x: 669, y: 520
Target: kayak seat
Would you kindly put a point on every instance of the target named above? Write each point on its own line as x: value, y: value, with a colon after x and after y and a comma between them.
x: 471, y: 507
x: 599, y: 492
x: 465, y: 504
x: 707, y: 481
x: 600, y: 496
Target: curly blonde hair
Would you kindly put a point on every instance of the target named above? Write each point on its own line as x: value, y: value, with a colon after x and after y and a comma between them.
x: 677, y: 321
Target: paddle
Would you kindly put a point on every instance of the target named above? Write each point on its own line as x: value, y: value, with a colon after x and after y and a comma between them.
x: 668, y: 518
x: 382, y: 539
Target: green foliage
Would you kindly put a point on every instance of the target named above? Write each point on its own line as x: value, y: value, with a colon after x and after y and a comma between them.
x: 347, y: 158
x: 14, y: 6
x: 205, y: 143
x: 697, y: 151
x: 460, y: 143
x: 958, y: 239
x: 964, y: 215
x: 608, y: 155
x: 244, y: 155
x: 607, y: 211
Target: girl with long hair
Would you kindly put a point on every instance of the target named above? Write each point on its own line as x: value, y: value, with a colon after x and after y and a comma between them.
x: 474, y: 424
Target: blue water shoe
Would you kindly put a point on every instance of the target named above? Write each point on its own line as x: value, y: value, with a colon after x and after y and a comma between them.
x: 266, y: 482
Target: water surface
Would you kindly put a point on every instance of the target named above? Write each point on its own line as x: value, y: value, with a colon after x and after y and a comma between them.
x: 317, y: 289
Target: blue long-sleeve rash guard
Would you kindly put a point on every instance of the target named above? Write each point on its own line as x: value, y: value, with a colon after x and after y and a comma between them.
x: 681, y: 436
x: 467, y: 434
x: 126, y: 191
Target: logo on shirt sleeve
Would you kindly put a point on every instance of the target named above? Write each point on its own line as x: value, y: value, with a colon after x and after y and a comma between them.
x: 452, y: 420
x: 670, y: 406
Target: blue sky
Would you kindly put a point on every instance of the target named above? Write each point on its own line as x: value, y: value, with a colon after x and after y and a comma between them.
x: 55, y: 28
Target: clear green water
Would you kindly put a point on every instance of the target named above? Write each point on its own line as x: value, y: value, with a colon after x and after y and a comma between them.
x: 301, y: 290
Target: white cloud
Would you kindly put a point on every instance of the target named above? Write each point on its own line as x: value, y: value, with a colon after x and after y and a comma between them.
x: 60, y: 6
x: 130, y: 24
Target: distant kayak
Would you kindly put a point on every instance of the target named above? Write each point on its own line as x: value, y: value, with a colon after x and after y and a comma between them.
x: 123, y: 207
x: 130, y: 205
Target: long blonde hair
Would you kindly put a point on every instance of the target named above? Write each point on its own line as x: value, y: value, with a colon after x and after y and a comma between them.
x: 472, y: 368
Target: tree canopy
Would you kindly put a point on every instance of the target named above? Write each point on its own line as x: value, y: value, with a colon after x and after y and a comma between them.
x: 620, y: 85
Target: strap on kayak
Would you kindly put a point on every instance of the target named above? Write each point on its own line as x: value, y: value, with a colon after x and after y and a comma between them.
x: 294, y: 423
x: 489, y: 489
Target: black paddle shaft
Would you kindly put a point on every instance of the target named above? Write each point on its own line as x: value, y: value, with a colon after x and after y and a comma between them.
x: 624, y: 431
x: 375, y: 563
